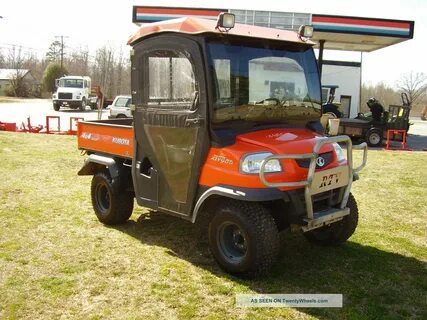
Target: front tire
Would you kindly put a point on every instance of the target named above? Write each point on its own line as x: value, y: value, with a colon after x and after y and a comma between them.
x: 337, y: 232
x: 243, y: 238
x: 56, y: 107
x: 83, y: 104
x: 112, y: 204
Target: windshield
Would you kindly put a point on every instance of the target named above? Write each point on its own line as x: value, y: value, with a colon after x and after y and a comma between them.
x: 264, y: 83
x: 71, y: 83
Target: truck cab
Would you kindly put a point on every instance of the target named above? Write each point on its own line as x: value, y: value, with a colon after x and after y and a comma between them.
x: 226, y: 126
x: 73, y: 92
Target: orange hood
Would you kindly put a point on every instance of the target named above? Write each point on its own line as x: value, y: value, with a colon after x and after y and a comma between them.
x: 284, y: 140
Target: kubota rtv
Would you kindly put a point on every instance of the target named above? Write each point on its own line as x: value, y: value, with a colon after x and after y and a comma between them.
x: 226, y: 124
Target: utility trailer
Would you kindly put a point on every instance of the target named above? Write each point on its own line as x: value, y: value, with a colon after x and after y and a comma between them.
x: 374, y: 131
x: 226, y: 126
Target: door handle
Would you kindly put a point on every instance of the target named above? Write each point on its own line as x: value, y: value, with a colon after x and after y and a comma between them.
x: 193, y: 121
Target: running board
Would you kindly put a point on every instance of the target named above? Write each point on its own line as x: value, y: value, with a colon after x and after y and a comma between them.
x: 324, y: 218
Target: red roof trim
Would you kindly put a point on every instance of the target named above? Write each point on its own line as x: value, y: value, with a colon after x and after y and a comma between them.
x: 361, y: 21
x: 183, y: 12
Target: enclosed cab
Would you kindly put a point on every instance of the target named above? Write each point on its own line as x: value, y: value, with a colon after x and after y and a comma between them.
x: 225, y: 129
x: 73, y: 92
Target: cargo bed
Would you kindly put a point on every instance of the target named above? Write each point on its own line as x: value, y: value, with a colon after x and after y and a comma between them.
x: 112, y: 137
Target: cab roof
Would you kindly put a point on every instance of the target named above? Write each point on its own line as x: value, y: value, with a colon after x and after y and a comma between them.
x: 190, y: 25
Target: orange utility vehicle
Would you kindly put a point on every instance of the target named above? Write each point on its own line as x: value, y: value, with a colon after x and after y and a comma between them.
x: 226, y: 124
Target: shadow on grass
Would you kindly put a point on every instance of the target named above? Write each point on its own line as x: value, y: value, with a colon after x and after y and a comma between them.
x: 375, y: 284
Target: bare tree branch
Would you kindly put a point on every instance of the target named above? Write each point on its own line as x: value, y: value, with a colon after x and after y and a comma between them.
x: 414, y: 84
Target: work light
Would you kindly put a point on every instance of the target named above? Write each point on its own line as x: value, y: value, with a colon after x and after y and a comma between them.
x: 225, y: 21
x: 306, y: 31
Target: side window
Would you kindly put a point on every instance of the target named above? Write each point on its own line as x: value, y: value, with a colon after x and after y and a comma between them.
x: 171, y: 80
x: 122, y: 102
x: 85, y: 84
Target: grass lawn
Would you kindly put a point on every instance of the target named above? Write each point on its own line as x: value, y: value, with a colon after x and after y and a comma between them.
x: 58, y: 261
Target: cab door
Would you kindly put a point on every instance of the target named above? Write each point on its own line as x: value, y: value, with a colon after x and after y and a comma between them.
x: 171, y: 141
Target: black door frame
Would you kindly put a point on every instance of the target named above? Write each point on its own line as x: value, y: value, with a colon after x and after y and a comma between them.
x: 147, y: 175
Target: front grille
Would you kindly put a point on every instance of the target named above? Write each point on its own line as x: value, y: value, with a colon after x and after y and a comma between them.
x: 305, y: 163
x: 63, y: 95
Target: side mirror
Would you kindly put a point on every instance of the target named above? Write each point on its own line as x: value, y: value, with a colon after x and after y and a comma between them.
x: 57, y: 83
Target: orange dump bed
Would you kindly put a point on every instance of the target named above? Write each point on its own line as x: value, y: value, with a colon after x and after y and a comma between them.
x: 114, y: 137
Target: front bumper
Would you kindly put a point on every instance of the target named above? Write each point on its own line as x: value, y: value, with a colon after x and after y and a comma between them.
x: 69, y: 103
x: 322, y: 181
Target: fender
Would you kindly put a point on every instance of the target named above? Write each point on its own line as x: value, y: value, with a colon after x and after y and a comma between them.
x: 244, y: 194
x: 92, y: 164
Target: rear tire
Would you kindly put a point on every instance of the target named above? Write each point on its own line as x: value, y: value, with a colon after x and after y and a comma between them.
x: 243, y: 238
x: 112, y: 204
x: 337, y: 232
x: 374, y: 138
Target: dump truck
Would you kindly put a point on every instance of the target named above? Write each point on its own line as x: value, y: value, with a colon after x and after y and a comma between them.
x: 226, y: 129
x: 77, y: 92
x: 73, y: 92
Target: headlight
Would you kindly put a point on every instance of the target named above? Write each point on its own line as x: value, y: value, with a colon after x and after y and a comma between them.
x: 339, y: 152
x: 252, y: 163
x: 78, y: 97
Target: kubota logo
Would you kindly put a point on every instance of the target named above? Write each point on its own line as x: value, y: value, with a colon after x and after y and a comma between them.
x: 320, y: 161
x: 121, y: 141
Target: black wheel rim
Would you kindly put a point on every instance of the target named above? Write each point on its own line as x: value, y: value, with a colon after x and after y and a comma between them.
x: 102, y: 198
x: 232, y: 242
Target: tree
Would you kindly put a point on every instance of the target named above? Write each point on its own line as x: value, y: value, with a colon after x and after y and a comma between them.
x: 103, y: 70
x: 54, y: 51
x: 380, y: 91
x: 17, y: 84
x: 78, y: 62
x: 52, y: 72
x: 2, y: 60
x: 414, y: 84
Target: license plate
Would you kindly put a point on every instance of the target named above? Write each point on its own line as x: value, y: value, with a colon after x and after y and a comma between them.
x: 329, y: 179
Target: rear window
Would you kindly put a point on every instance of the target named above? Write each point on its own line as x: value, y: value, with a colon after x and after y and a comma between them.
x: 122, y: 102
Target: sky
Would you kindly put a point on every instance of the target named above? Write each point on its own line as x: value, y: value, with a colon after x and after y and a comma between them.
x: 94, y: 23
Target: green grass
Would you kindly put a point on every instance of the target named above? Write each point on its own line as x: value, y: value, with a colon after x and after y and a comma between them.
x: 58, y: 261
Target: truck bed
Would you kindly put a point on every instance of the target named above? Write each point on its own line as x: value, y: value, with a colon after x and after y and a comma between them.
x: 113, y: 137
